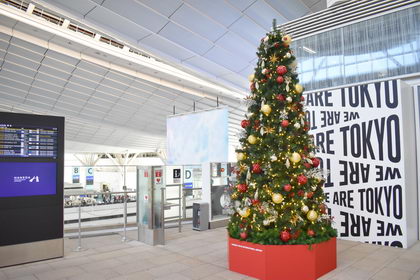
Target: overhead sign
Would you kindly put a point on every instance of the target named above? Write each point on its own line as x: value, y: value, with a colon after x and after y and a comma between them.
x: 361, y: 132
x: 89, y: 176
x: 76, y: 175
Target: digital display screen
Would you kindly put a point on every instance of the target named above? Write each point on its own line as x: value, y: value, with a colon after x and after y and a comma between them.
x: 28, y: 141
x: 27, y: 178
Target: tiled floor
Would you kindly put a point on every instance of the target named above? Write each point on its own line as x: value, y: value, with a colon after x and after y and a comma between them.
x: 200, y: 255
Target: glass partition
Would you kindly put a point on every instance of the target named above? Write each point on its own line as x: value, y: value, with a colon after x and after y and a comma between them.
x: 223, y: 179
x: 377, y: 48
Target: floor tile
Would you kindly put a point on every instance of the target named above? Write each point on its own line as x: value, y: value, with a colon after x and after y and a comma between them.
x: 392, y: 274
x: 201, y: 255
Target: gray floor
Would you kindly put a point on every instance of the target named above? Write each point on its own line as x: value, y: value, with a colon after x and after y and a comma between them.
x: 200, y: 255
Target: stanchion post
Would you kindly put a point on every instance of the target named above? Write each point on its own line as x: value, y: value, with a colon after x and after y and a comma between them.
x: 180, y: 208
x: 124, y: 238
x: 79, y: 240
x: 184, y: 204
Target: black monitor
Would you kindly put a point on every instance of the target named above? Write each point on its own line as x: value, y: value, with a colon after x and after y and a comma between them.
x: 31, y: 178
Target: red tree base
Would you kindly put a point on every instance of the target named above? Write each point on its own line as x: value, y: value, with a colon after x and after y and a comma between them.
x: 277, y: 262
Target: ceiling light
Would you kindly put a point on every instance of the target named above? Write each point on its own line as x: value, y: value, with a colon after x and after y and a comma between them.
x: 306, y: 49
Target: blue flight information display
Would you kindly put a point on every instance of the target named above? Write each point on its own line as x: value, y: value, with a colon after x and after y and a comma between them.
x: 27, y: 141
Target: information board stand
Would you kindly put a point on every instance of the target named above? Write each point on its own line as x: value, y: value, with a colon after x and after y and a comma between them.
x: 31, y: 188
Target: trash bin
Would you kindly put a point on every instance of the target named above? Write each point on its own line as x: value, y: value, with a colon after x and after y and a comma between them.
x: 200, y: 216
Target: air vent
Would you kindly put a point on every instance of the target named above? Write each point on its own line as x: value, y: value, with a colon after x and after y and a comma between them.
x: 53, y: 18
x: 342, y: 14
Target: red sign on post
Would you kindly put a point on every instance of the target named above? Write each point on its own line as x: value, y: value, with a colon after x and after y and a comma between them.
x: 158, y: 176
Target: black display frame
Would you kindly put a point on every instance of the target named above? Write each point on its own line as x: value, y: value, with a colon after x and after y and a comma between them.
x: 27, y: 219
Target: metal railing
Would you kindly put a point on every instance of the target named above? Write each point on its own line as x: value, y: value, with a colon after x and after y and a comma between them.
x: 81, y: 200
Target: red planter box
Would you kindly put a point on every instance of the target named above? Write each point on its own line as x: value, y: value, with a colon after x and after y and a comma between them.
x: 278, y: 262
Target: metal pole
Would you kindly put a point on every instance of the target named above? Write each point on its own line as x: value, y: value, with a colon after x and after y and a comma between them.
x: 124, y: 239
x: 163, y: 212
x: 79, y: 241
x: 184, y: 206
x: 180, y: 208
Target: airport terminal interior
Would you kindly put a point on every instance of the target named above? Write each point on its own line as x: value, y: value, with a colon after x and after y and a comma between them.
x: 210, y: 139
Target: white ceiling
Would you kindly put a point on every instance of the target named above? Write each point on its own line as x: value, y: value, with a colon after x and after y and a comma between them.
x: 112, y: 101
x: 217, y: 38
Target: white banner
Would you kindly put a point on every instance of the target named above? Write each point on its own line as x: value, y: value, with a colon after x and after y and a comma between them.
x: 359, y: 131
x: 198, y: 137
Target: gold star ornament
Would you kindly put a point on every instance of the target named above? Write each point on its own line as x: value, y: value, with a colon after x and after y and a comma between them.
x: 274, y: 58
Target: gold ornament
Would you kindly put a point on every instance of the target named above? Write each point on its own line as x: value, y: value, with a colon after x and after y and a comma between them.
x: 293, y: 65
x: 305, y: 209
x: 269, y: 130
x: 244, y: 212
x: 277, y: 198
x: 295, y: 157
x: 287, y: 39
x: 294, y: 220
x: 298, y: 88
x: 243, y: 167
x: 251, y: 77
x: 252, y: 139
x: 274, y: 58
x: 240, y: 156
x: 266, y: 109
x: 312, y: 215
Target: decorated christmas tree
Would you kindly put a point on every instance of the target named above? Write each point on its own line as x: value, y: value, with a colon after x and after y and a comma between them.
x: 279, y: 196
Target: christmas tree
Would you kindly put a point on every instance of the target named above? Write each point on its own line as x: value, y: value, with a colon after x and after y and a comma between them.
x: 279, y: 197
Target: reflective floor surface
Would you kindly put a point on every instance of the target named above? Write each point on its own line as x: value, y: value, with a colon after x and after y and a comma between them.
x: 199, y: 255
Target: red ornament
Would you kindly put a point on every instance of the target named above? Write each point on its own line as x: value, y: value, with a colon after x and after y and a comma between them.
x: 243, y: 235
x: 315, y: 162
x: 301, y: 193
x: 252, y: 86
x: 256, y: 124
x: 242, y: 188
x: 307, y: 165
x: 311, y: 233
x: 280, y: 97
x: 255, y: 201
x: 296, y: 234
x: 284, y: 123
x: 306, y: 128
x: 256, y: 168
x: 280, y: 79
x: 302, y: 98
x: 292, y: 194
x: 323, y: 208
x: 281, y: 70
x: 309, y: 194
x: 285, y: 236
x: 302, y: 179
x: 263, y: 81
x: 245, y: 123
x: 287, y: 187
x: 276, y: 44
